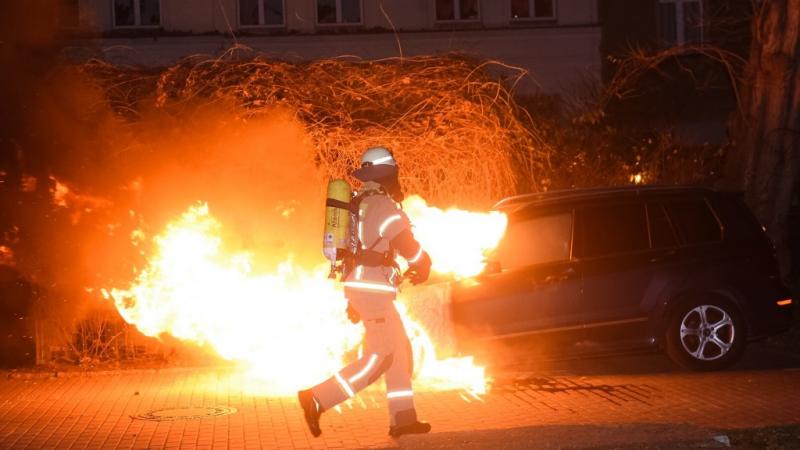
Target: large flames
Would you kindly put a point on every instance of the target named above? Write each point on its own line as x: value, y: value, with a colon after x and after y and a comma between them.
x: 288, y: 328
x: 456, y: 239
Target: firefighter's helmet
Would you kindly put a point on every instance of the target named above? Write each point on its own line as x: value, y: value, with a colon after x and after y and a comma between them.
x: 377, y: 163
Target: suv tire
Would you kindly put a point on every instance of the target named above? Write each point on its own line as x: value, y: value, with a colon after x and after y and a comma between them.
x: 705, y: 335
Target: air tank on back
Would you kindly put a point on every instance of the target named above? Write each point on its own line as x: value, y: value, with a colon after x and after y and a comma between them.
x: 336, y: 236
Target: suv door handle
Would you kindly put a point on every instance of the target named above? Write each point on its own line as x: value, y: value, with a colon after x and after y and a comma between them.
x: 568, y: 273
x: 663, y: 255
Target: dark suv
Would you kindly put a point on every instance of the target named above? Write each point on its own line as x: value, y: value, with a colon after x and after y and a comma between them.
x: 685, y: 269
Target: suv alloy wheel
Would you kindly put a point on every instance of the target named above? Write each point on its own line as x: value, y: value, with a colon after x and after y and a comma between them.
x: 705, y: 335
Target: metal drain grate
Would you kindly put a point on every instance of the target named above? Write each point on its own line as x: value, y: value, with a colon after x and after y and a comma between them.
x: 186, y: 413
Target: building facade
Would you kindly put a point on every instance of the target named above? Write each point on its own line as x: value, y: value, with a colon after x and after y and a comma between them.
x: 561, y: 43
x: 313, y: 16
x: 556, y: 41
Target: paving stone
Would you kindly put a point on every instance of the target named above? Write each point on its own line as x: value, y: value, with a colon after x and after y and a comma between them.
x: 100, y: 411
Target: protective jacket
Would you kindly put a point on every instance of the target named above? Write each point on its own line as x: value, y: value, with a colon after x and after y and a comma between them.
x: 383, y: 231
x: 371, y: 287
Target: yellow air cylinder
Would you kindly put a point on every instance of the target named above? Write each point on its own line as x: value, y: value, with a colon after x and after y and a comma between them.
x: 337, y: 220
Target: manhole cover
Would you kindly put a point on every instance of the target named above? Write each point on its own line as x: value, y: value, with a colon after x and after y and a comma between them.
x: 186, y: 413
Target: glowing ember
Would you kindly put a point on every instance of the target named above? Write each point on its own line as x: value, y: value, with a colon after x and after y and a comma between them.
x: 60, y: 192
x: 6, y: 256
x: 78, y: 204
x: 288, y: 328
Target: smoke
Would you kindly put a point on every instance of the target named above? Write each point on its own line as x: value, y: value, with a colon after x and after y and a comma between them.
x: 95, y: 161
x: 257, y: 176
x: 100, y: 179
x: 82, y: 189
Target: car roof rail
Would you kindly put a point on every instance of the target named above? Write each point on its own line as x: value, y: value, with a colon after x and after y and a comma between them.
x: 518, y: 201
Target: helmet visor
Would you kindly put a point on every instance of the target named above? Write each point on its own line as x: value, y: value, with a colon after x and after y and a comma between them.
x: 373, y: 172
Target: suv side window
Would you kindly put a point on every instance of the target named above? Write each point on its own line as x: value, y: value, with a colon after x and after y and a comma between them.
x: 536, y: 240
x: 661, y: 233
x: 615, y: 228
x: 693, y: 220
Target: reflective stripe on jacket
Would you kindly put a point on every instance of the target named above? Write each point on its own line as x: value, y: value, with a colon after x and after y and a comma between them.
x: 380, y: 220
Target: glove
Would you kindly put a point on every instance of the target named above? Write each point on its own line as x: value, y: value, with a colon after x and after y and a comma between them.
x: 419, y: 272
x: 352, y: 314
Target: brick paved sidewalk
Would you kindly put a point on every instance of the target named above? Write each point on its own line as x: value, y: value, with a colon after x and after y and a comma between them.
x: 100, y: 411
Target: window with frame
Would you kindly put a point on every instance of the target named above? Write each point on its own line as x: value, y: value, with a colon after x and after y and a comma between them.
x: 693, y: 220
x: 254, y: 13
x: 662, y: 235
x: 332, y: 12
x: 533, y: 9
x: 454, y: 10
x: 680, y: 22
x: 137, y: 13
x: 613, y: 229
x: 538, y: 240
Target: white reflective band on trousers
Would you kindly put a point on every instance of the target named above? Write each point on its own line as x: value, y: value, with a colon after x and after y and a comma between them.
x: 367, y: 286
x: 373, y: 358
x: 387, y: 352
x: 399, y: 394
x: 345, y: 387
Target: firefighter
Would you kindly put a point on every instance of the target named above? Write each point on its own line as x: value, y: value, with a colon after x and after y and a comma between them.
x: 383, y: 230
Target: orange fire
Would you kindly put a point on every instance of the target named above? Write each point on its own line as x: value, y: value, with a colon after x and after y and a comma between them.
x: 287, y: 328
x: 457, y: 240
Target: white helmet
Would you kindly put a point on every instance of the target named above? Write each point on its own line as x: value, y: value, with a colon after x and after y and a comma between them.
x: 376, y: 163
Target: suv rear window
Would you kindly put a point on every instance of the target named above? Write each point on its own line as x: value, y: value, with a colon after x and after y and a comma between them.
x: 737, y: 220
x: 693, y: 220
x: 613, y: 229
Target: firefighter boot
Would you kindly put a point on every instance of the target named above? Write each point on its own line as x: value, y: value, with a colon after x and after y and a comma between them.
x: 311, y: 411
x: 412, y: 428
x: 406, y: 423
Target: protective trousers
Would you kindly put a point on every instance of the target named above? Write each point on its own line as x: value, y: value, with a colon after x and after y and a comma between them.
x: 387, y: 350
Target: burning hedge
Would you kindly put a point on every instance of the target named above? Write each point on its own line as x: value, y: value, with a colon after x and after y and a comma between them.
x: 452, y: 124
